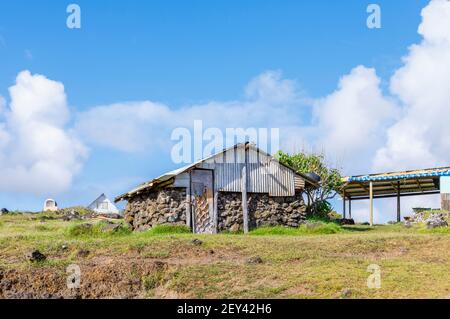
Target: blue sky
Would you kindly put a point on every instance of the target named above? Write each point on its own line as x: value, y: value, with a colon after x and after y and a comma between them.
x: 187, y: 53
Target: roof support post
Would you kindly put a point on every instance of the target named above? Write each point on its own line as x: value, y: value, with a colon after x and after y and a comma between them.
x: 244, y: 191
x: 189, y: 210
x: 350, y: 207
x: 216, y: 215
x: 343, y: 205
x: 399, y: 217
x: 371, y: 202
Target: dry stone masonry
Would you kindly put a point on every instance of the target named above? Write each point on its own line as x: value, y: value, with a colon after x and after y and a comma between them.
x: 168, y: 206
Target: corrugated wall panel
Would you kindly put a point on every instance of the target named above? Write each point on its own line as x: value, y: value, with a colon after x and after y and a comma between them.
x: 264, y: 174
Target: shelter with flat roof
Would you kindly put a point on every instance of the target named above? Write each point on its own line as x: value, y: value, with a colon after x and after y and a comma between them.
x: 396, y: 184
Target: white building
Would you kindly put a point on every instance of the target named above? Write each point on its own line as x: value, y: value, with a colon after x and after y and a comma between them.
x: 102, y: 205
x: 50, y: 205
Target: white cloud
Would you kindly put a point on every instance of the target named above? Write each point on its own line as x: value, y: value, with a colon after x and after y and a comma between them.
x: 38, y: 154
x: 271, y: 101
x: 420, y: 137
x: 350, y: 121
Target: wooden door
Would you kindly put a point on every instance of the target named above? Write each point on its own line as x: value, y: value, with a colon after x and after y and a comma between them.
x: 203, y: 201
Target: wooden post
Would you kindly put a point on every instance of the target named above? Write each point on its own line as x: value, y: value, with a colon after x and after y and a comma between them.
x: 189, y: 203
x: 350, y: 208
x: 343, y: 203
x: 399, y: 217
x: 244, y: 197
x: 216, y: 215
x: 371, y: 203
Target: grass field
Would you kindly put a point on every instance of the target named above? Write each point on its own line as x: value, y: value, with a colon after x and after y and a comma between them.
x: 328, y: 262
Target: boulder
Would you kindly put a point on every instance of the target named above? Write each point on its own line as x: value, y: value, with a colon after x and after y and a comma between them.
x: 436, y: 220
x: 71, y: 215
x: 197, y: 242
x: 36, y: 256
x: 4, y: 211
x: 346, y: 221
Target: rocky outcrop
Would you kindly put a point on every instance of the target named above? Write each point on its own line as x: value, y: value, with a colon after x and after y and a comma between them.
x: 165, y: 206
x: 436, y: 220
x: 263, y: 211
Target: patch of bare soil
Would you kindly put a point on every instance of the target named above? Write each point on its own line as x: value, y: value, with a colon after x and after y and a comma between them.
x: 120, y: 276
x: 101, y: 277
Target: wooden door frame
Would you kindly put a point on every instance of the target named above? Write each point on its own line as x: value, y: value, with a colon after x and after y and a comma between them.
x: 214, y: 199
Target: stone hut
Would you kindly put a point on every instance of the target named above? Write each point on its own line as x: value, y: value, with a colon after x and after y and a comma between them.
x: 239, y: 188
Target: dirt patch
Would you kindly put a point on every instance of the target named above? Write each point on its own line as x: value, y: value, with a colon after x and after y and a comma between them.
x: 123, y: 276
x: 100, y: 277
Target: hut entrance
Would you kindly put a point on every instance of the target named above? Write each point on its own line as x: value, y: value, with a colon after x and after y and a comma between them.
x: 203, y: 201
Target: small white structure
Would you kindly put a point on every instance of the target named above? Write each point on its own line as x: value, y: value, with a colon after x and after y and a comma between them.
x: 102, y: 205
x: 50, y: 205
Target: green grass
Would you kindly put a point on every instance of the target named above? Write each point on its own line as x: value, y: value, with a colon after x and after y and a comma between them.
x: 297, y: 262
x: 168, y: 230
x: 98, y: 229
x: 324, y: 228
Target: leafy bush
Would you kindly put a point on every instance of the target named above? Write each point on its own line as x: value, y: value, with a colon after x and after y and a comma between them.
x: 330, y: 179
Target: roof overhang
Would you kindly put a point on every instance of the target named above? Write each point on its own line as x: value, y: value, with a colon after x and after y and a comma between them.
x: 393, y: 184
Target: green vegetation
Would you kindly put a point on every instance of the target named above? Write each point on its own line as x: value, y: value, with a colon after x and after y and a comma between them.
x: 321, y: 228
x: 321, y: 261
x: 168, y: 229
x: 330, y: 179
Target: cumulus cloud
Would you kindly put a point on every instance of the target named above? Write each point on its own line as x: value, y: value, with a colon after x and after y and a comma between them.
x: 350, y: 121
x: 270, y: 102
x: 419, y: 138
x: 38, y: 154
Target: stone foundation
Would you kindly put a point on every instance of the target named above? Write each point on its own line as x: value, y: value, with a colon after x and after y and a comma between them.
x: 168, y: 206
x: 165, y: 206
x: 263, y: 211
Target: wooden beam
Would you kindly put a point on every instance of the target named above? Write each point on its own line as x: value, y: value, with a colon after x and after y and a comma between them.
x: 244, y: 197
x: 418, y: 185
x: 371, y: 203
x: 244, y: 191
x: 362, y: 197
x: 398, y: 202
x: 343, y: 203
x: 350, y: 208
x: 215, y: 214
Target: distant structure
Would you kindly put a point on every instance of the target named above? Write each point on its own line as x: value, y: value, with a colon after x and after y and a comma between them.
x: 50, y: 205
x: 102, y: 205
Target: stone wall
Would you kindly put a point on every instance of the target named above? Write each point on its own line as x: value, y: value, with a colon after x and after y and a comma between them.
x: 263, y: 211
x: 168, y: 206
x: 162, y: 207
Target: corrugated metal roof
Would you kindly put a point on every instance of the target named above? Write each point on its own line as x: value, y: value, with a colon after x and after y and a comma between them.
x: 421, y: 181
x: 430, y: 172
x: 167, y: 176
